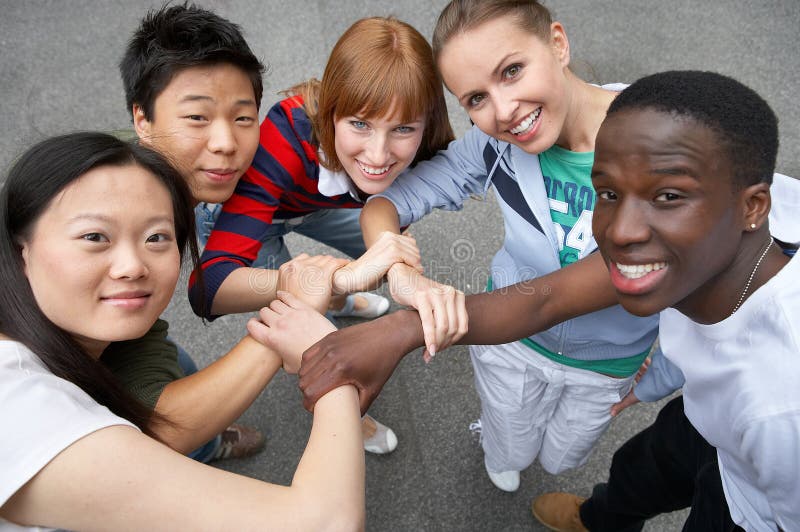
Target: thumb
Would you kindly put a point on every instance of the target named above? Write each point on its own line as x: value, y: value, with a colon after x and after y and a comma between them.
x: 258, y: 331
x: 627, y: 401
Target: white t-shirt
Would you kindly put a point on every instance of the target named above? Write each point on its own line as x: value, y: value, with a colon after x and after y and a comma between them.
x: 40, y: 415
x: 742, y: 393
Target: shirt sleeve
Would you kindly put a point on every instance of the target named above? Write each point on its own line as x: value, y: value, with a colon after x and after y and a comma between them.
x: 444, y: 181
x: 783, y: 220
x: 41, y: 415
x: 146, y: 365
x: 660, y: 380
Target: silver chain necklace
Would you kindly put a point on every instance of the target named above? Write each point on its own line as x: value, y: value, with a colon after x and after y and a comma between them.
x: 752, y: 274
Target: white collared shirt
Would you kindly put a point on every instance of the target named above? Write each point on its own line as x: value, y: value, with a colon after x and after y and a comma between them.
x: 335, y: 183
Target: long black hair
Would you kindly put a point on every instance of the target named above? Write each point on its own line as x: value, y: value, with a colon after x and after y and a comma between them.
x: 32, y: 183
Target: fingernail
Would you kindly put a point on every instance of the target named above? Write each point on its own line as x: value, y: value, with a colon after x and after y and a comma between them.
x: 432, y: 351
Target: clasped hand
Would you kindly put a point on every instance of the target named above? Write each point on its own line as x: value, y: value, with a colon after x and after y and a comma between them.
x: 289, y: 326
x: 368, y: 271
x: 441, y: 307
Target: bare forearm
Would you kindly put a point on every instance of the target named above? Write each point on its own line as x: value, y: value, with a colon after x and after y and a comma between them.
x: 126, y: 465
x: 331, y: 471
x: 505, y: 315
x: 529, y: 307
x: 514, y: 312
x: 245, y: 290
x: 202, y: 405
x: 377, y: 216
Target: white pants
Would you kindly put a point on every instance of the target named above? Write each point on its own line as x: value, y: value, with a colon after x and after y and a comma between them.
x: 533, y: 406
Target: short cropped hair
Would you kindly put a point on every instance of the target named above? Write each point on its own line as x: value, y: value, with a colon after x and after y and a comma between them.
x: 177, y: 37
x: 744, y: 123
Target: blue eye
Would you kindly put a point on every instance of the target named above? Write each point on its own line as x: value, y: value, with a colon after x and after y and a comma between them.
x: 405, y: 129
x: 358, y: 124
x: 475, y: 99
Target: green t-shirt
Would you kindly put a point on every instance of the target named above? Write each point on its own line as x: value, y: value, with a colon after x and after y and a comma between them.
x: 568, y: 180
x: 146, y: 365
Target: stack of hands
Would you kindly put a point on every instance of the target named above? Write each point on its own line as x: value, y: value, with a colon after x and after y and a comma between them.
x: 364, y: 355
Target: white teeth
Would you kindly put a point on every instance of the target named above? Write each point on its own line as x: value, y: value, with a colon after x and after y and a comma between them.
x: 635, y: 271
x: 526, y: 124
x: 372, y: 170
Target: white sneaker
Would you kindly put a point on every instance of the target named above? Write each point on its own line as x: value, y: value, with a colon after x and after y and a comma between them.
x: 378, y: 438
x: 476, y: 429
x: 376, y: 306
x: 505, y: 480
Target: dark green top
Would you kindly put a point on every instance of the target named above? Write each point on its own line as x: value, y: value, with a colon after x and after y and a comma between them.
x: 146, y: 365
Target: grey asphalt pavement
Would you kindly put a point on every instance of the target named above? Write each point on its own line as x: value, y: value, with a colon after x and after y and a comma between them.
x: 58, y: 74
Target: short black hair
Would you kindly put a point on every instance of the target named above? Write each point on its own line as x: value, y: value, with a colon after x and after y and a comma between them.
x: 745, y: 124
x: 176, y: 37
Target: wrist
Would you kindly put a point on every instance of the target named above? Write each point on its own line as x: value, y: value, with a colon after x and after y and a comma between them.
x: 397, y: 269
x: 406, y: 329
x: 261, y: 353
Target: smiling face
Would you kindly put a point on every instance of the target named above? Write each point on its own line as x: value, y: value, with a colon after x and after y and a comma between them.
x: 206, y: 122
x: 510, y: 81
x: 102, y: 259
x: 667, y: 214
x: 373, y: 151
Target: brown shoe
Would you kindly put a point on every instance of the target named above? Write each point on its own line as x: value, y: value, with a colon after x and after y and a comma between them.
x: 239, y: 441
x: 559, y: 512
